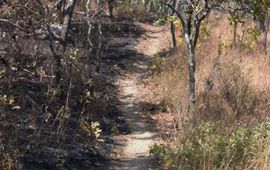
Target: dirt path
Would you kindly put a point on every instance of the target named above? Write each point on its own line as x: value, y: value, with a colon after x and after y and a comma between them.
x: 134, y: 152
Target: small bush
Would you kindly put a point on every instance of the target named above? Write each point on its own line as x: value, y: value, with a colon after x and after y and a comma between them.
x: 209, y: 147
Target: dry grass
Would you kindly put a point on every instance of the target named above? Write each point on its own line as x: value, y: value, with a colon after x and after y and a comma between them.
x: 245, y: 71
x: 232, y: 87
x: 135, y: 12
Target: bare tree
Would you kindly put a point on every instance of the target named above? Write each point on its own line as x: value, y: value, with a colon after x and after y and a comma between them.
x: 100, y: 37
x: 172, y: 25
x: 191, y: 15
x: 264, y: 28
x: 266, y: 25
x: 68, y: 12
x: 58, y: 51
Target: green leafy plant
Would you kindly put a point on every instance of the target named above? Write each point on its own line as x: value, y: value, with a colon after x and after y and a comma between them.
x: 250, y: 42
x: 253, y: 33
x: 157, y: 63
x: 167, y: 19
x: 209, y: 147
x: 235, y: 17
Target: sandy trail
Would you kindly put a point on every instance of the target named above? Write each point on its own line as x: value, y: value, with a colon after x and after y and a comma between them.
x: 135, y: 150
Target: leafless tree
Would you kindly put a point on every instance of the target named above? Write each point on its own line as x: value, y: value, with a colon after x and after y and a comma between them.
x: 191, y: 15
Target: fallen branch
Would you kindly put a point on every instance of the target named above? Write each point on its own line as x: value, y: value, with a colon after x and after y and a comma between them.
x: 13, y: 24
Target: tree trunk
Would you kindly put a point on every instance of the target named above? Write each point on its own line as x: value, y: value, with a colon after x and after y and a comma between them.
x: 89, y: 24
x: 265, y: 33
x: 98, y: 54
x: 173, y: 33
x: 67, y: 19
x: 265, y: 41
x: 191, y: 87
x: 191, y: 77
x: 57, y: 56
x: 234, y: 35
x: 162, y: 7
x: 173, y: 26
x: 68, y: 12
x: 111, y: 5
x: 145, y: 5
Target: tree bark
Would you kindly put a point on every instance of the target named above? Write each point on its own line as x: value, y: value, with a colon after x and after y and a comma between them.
x: 265, y: 41
x: 173, y: 26
x: 191, y: 79
x: 191, y: 22
x: 100, y: 39
x: 265, y: 33
x: 89, y: 24
x: 111, y: 6
x: 191, y: 44
x: 234, y: 42
x: 173, y: 34
x: 98, y: 54
x: 68, y: 12
x: 67, y: 16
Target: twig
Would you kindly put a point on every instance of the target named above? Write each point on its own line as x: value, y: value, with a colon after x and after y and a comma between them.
x: 11, y: 23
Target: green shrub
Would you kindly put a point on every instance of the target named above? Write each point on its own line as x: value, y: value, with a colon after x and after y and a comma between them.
x: 209, y: 147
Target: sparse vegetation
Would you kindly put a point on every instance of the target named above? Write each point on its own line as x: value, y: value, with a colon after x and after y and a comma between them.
x: 62, y: 100
x: 231, y: 107
x: 210, y: 146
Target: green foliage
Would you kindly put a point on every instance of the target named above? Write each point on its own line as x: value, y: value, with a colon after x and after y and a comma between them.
x: 165, y: 19
x: 160, y: 21
x: 171, y: 18
x: 209, y: 147
x: 225, y: 45
x: 259, y: 8
x: 247, y: 46
x: 235, y: 17
x: 157, y: 63
x: 253, y: 33
x: 250, y: 43
x: 204, y: 31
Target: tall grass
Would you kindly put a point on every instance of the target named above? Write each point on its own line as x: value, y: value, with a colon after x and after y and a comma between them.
x: 232, y: 105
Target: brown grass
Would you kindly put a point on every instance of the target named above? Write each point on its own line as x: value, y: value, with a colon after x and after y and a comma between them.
x: 231, y: 87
